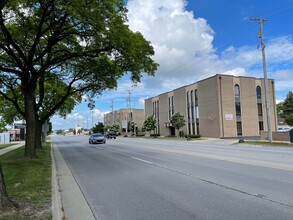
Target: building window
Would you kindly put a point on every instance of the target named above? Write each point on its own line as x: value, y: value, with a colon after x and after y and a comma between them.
x: 238, y: 109
x: 239, y: 128
x: 260, y: 123
x: 172, y: 104
x: 192, y: 112
x: 169, y: 108
x: 196, y: 110
x: 188, y: 111
x: 258, y: 92
x: 259, y: 108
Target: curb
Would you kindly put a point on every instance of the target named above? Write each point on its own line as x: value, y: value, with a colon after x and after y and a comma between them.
x: 68, y: 201
x: 56, y: 196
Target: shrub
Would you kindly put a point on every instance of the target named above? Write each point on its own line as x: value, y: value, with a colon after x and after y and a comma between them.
x: 154, y: 135
x: 193, y: 136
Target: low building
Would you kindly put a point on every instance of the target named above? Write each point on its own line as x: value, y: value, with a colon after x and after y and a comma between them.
x: 221, y: 106
x: 123, y: 116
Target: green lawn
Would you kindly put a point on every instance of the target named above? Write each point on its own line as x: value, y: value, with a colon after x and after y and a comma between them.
x: 28, y: 183
x: 266, y: 143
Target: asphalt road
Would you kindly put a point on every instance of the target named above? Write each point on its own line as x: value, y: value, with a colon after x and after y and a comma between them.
x: 140, y: 179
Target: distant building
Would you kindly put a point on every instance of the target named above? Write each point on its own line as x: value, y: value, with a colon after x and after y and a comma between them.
x: 123, y: 116
x: 221, y: 106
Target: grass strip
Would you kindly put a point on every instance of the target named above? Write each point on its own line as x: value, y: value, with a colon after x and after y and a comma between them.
x: 266, y: 143
x: 28, y: 183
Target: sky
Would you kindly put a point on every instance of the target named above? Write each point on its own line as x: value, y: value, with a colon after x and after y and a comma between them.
x: 196, y: 39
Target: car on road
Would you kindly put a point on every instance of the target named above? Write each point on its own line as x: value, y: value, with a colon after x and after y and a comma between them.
x: 97, y: 138
x: 110, y: 134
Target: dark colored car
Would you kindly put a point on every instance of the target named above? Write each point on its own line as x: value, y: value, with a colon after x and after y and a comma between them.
x: 97, y: 138
x: 110, y: 134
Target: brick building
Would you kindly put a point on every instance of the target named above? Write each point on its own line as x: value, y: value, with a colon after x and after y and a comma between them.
x: 123, y: 116
x: 221, y: 106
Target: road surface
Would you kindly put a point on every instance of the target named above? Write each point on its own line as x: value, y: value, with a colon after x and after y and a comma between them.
x: 136, y: 178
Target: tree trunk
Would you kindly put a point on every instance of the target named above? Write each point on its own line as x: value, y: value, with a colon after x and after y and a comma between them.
x: 5, y: 201
x: 31, y: 126
x: 38, y: 142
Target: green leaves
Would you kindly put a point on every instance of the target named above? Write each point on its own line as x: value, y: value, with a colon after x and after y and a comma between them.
x: 178, y: 121
x: 61, y: 50
x: 150, y: 123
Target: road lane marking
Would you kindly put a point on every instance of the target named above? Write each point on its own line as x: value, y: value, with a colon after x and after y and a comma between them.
x: 141, y: 160
x: 215, y: 157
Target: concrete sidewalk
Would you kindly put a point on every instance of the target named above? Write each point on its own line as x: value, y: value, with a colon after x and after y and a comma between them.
x: 68, y: 201
x: 13, y: 147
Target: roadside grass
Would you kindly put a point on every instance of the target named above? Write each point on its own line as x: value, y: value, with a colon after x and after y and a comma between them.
x: 28, y: 184
x: 266, y: 143
x: 2, y: 146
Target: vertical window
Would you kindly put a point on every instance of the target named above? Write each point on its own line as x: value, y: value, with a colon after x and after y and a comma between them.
x: 259, y: 108
x: 169, y: 106
x: 172, y: 102
x: 192, y: 112
x: 238, y: 109
x: 258, y: 92
x: 239, y: 128
x: 188, y: 111
x: 196, y: 110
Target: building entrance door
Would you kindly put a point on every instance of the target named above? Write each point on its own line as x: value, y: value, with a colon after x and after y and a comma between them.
x: 172, y: 131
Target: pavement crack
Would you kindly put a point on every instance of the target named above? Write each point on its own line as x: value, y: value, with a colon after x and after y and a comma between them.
x: 260, y: 196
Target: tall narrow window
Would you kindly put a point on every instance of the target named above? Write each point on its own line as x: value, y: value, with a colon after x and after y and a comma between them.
x: 172, y: 102
x: 238, y: 109
x: 259, y: 108
x: 188, y: 111
x: 192, y: 112
x: 196, y: 110
x: 169, y: 110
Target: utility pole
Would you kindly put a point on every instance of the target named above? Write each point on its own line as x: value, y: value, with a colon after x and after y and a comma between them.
x: 261, y: 21
x: 112, y: 106
x: 128, y: 99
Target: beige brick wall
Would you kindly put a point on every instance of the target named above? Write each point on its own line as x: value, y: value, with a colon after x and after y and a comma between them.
x: 209, y: 121
x: 276, y: 136
x: 216, y: 101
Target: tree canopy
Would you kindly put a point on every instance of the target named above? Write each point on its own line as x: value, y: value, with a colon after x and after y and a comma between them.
x: 150, y: 123
x: 285, y: 109
x: 51, y: 51
x: 177, y: 121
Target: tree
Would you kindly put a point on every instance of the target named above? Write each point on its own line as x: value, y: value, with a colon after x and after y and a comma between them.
x: 5, y: 201
x: 2, y: 126
x: 49, y: 43
x: 99, y: 128
x: 150, y: 123
x: 285, y: 109
x: 115, y: 127
x: 177, y: 121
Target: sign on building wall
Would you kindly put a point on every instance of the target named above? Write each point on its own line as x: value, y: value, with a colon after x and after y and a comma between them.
x: 19, y: 125
x: 228, y: 117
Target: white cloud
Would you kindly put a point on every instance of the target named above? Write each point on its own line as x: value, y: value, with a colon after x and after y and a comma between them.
x: 177, y: 38
x: 184, y: 49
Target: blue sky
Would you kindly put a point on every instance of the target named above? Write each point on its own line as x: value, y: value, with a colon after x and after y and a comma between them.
x: 196, y: 39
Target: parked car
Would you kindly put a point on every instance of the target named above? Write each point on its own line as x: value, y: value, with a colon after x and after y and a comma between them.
x: 110, y: 134
x: 97, y: 138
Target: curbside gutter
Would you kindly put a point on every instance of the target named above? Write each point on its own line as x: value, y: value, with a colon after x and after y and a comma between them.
x: 68, y: 201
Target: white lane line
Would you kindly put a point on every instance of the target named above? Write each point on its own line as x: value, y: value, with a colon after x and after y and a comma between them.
x: 145, y: 161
